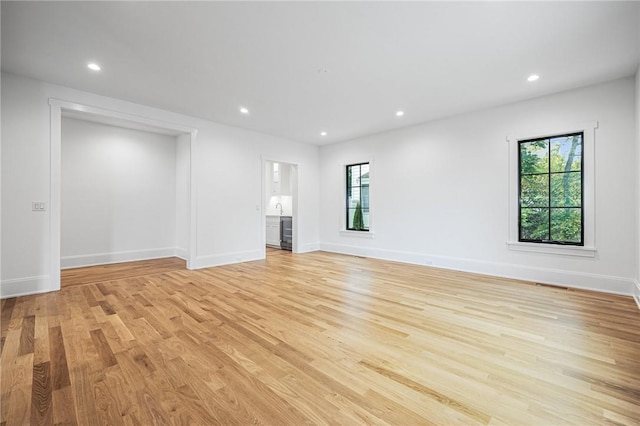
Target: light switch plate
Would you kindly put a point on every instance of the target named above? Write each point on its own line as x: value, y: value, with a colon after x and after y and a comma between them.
x: 38, y: 206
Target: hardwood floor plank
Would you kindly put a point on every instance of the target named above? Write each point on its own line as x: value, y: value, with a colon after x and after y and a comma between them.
x: 6, y: 314
x: 41, y: 340
x: 63, y: 407
x: 41, y: 395
x: 106, y: 307
x: 17, y: 410
x: 103, y: 348
x: 316, y: 338
x: 16, y: 385
x: 27, y: 335
x: 59, y: 367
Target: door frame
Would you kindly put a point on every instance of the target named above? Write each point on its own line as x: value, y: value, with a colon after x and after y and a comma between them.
x: 57, y: 107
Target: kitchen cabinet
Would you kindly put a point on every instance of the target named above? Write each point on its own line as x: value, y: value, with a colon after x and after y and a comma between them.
x: 273, y: 231
x: 280, y: 179
x: 275, y: 178
x: 285, y: 179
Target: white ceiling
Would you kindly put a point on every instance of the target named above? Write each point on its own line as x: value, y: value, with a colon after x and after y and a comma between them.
x: 306, y: 67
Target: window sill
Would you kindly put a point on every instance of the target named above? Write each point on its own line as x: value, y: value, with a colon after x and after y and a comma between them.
x: 552, y: 249
x: 359, y: 234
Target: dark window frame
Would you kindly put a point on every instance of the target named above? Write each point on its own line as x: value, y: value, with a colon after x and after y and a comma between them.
x: 549, y: 173
x: 346, y: 194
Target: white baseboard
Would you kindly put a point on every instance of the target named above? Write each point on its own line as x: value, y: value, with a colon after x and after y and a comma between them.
x: 182, y: 253
x: 306, y: 248
x: 80, y: 261
x: 595, y: 282
x: 227, y: 258
x: 25, y: 286
x: 636, y: 293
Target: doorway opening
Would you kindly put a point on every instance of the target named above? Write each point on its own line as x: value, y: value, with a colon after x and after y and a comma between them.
x: 280, y: 208
x: 107, y: 246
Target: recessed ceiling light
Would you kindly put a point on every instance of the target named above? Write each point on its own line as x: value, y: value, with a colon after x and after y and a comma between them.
x: 399, y: 113
x: 93, y: 66
x: 323, y: 133
x: 244, y: 110
x: 533, y: 77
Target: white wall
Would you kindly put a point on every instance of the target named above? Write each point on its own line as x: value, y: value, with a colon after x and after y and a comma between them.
x: 439, y: 191
x: 228, y: 169
x: 118, y: 194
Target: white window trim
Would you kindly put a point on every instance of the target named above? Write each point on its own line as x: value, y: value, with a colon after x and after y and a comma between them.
x: 358, y: 234
x: 588, y: 148
x: 343, y: 231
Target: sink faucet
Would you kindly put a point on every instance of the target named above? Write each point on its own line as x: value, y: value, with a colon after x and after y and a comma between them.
x: 281, y: 211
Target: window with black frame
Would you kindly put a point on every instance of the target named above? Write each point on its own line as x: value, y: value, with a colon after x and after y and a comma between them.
x: 551, y: 190
x: 357, y: 197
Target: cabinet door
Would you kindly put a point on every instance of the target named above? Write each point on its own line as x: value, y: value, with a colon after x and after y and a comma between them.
x: 285, y: 179
x: 276, y: 178
x: 273, y: 232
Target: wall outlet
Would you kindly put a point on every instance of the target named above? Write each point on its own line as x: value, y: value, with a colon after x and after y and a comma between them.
x: 38, y: 206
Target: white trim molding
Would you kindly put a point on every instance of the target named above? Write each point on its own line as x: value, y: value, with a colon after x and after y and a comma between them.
x: 182, y: 253
x: 357, y: 234
x: 636, y: 294
x: 25, y: 286
x: 553, y: 249
x: 588, y: 168
x: 227, y: 258
x: 306, y: 248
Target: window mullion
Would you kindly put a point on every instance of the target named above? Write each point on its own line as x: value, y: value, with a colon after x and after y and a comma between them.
x: 549, y: 185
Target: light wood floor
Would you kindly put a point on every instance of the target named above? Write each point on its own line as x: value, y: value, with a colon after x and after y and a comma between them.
x: 277, y: 252
x: 319, y: 338
x: 119, y: 271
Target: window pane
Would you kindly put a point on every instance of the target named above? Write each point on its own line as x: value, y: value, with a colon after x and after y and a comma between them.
x: 354, y: 197
x: 566, y: 225
x: 354, y: 179
x: 364, y: 174
x: 566, y: 153
x: 534, y: 157
x: 365, y: 197
x: 355, y: 222
x: 534, y: 224
x: 566, y: 189
x: 534, y: 191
